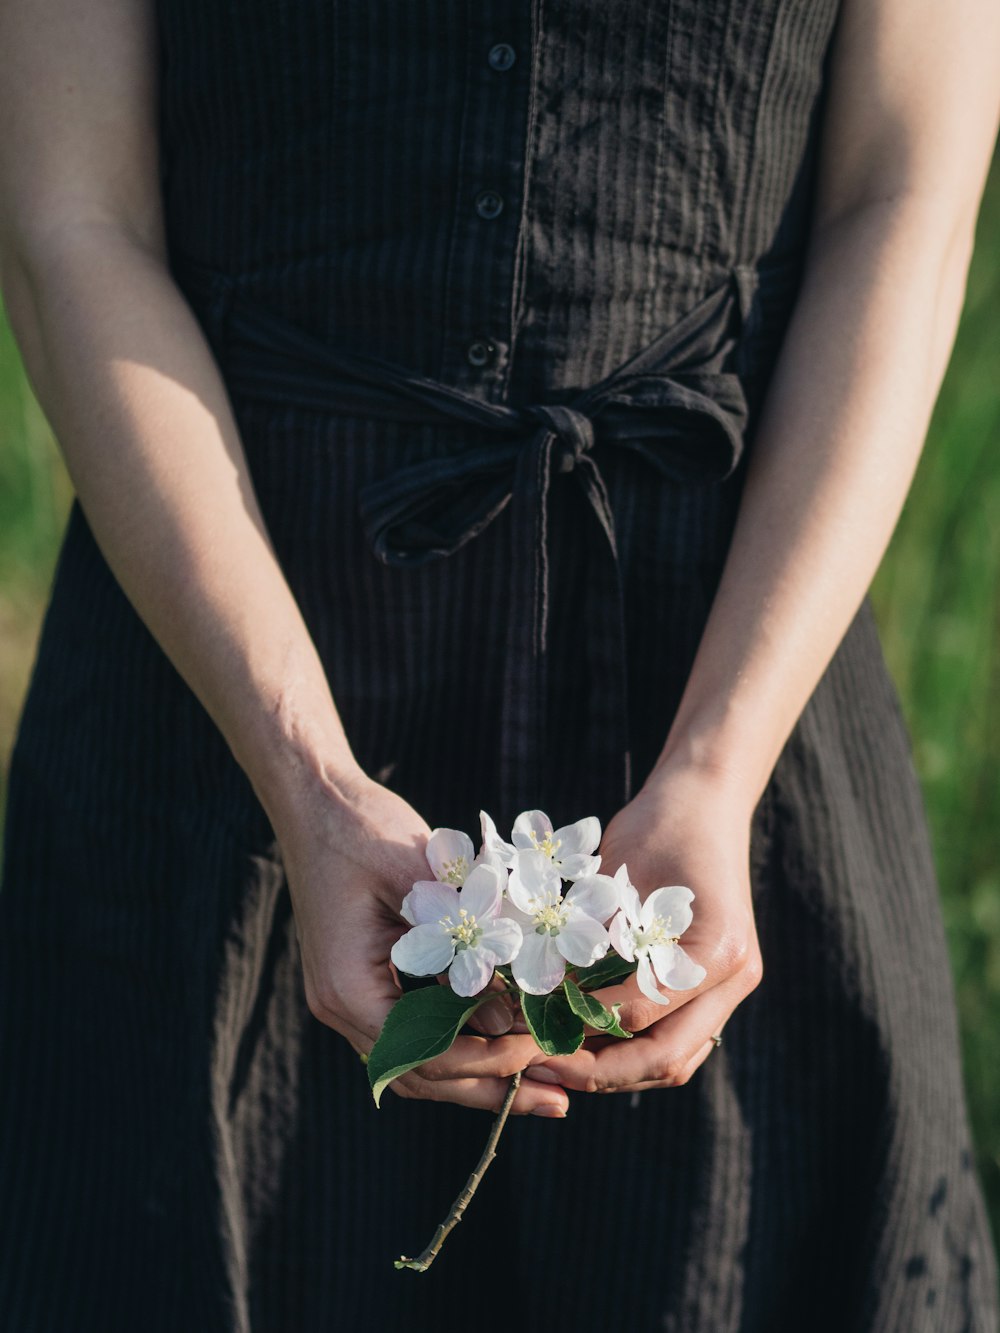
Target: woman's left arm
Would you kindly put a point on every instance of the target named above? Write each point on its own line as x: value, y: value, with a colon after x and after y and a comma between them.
x: 910, y: 123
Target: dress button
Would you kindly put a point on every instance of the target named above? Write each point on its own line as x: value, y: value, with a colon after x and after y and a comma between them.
x: 501, y: 56
x: 488, y: 203
x: 479, y: 352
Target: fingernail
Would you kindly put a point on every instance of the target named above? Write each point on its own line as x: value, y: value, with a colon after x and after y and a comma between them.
x: 550, y: 1111
x: 495, y: 1018
x: 541, y: 1074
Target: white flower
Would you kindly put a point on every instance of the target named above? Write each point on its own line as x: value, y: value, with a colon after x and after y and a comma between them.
x: 452, y: 857
x: 557, y: 930
x: 568, y: 850
x: 461, y: 932
x: 648, y: 932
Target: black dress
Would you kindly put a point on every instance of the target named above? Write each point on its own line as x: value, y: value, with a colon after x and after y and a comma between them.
x: 589, y: 219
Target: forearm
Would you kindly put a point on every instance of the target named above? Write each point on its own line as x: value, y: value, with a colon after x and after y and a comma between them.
x: 839, y: 437
x: 127, y: 380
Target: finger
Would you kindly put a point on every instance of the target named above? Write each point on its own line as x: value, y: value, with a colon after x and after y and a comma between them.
x: 638, y: 1012
x: 496, y: 1016
x: 690, y: 1068
x: 485, y: 1076
x: 486, y: 1072
x: 467, y: 1057
x: 728, y: 959
x: 699, y: 1059
x: 658, y: 1054
x: 481, y: 1057
x: 485, y: 1094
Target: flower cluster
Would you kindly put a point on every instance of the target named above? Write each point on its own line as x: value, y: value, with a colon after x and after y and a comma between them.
x: 507, y: 907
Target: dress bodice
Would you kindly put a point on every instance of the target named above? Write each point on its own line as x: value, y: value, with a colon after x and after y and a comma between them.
x: 510, y: 198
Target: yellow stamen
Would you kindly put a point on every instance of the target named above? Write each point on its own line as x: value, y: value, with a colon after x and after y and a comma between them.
x: 466, y: 932
x: 455, y: 871
x: 547, y: 845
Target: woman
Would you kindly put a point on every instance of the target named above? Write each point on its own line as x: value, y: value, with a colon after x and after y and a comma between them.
x: 249, y: 253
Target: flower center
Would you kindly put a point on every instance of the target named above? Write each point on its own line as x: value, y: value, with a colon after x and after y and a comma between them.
x: 456, y: 870
x: 466, y: 933
x: 656, y: 933
x: 549, y: 914
x: 546, y: 845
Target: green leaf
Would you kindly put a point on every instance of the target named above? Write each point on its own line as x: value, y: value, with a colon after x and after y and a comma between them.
x: 612, y: 967
x: 420, y: 1025
x: 593, y: 1013
x: 553, y: 1024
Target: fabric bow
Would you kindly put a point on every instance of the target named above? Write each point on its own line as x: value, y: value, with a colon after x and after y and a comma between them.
x: 671, y: 403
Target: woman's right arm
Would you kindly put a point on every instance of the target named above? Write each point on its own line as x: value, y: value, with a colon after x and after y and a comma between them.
x: 124, y: 375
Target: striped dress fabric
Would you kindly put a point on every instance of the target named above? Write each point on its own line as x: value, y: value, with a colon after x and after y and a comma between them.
x: 496, y: 290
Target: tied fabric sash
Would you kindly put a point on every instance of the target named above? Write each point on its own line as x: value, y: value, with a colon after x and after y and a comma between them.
x: 671, y: 403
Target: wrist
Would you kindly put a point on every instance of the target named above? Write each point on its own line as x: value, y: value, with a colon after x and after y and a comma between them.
x: 299, y: 760
x: 713, y: 765
x: 306, y: 783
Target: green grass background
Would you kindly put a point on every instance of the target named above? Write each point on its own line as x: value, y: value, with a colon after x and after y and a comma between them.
x: 937, y: 596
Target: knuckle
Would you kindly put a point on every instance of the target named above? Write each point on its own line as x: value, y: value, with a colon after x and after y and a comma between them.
x: 419, y: 1088
x: 433, y: 1071
x: 635, y: 1015
x: 670, y: 1069
x: 324, y: 1005
x: 753, y: 971
x: 731, y: 954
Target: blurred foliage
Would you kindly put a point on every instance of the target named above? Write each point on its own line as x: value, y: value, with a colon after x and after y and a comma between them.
x: 937, y: 597
x: 34, y: 499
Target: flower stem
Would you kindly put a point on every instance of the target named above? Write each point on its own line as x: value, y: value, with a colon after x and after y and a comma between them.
x: 423, y: 1261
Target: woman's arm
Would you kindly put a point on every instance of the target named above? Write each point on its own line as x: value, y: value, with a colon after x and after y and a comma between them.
x: 123, y: 373
x: 910, y: 124
x: 909, y: 127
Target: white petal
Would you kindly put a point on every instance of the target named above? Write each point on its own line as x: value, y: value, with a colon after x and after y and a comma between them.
x: 676, y: 969
x: 597, y: 895
x: 539, y: 966
x: 502, y: 938
x: 511, y: 912
x: 576, y: 865
x: 428, y: 901
x: 628, y: 896
x: 620, y: 934
x: 471, y: 971
x: 644, y: 976
x: 482, y: 892
x: 528, y: 822
x: 583, y: 836
x: 487, y: 856
x: 582, y: 940
x: 492, y: 840
x: 670, y: 902
x: 533, y: 876
x: 448, y: 845
x: 423, y: 951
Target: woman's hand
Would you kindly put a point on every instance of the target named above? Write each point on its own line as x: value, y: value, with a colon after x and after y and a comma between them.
x: 349, y: 866
x: 683, y: 827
